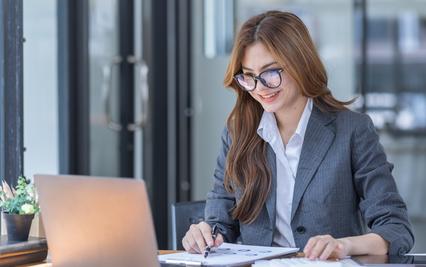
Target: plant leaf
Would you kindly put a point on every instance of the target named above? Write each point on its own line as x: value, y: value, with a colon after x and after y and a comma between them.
x: 7, y: 190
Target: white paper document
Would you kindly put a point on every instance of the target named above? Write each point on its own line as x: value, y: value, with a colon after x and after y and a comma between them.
x: 227, y: 255
x: 304, y: 262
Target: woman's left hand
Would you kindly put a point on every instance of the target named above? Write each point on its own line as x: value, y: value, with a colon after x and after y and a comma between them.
x: 325, y: 246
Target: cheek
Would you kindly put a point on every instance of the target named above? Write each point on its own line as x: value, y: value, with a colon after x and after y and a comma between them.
x: 291, y: 87
x: 290, y: 92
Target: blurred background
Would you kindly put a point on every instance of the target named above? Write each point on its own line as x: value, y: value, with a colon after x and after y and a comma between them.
x: 133, y: 88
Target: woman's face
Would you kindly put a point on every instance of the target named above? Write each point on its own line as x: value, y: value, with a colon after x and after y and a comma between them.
x: 256, y: 60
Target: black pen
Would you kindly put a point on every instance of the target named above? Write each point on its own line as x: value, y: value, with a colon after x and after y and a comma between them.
x: 208, y: 248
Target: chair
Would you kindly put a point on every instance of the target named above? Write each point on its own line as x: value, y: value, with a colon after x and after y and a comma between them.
x: 183, y: 215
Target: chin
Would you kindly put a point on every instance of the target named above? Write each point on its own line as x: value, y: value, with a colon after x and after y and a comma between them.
x: 270, y: 108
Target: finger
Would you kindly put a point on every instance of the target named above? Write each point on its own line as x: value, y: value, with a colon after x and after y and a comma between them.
x: 318, y: 248
x: 328, y: 250
x: 339, y: 252
x: 311, y: 243
x: 187, y: 244
x: 219, y: 240
x: 206, y: 231
x: 188, y: 247
x: 198, y: 237
x: 192, y: 244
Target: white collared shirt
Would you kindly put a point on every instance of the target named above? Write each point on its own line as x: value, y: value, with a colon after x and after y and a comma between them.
x: 287, y: 158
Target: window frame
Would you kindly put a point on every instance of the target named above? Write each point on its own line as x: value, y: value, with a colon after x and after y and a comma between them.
x: 11, y: 90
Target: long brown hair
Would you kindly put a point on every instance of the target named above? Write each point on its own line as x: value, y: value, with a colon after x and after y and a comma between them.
x: 288, y: 40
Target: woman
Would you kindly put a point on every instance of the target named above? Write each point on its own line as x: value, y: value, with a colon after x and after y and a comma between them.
x: 297, y: 168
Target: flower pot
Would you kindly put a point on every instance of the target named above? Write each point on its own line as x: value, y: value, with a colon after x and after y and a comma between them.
x: 18, y: 226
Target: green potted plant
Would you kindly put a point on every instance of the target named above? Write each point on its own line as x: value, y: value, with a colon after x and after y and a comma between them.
x: 18, y: 205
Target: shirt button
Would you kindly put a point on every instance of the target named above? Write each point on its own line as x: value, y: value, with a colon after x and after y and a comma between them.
x: 301, y: 230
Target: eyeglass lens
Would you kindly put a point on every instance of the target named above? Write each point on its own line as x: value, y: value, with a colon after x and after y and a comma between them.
x: 269, y: 78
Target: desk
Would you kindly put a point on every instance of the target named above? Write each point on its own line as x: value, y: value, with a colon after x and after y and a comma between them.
x: 367, y: 260
x: 385, y: 260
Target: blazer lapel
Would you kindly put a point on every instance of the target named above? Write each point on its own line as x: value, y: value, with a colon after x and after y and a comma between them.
x: 272, y: 197
x: 317, y: 141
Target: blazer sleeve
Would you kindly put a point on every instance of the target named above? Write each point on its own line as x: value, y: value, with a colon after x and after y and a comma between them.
x: 381, y: 206
x: 219, y: 201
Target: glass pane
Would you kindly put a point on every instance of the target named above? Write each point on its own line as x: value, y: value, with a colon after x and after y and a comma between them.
x: 396, y: 65
x: 218, y: 27
x: 103, y: 49
x: 211, y: 105
x: 40, y: 88
x: 396, y: 97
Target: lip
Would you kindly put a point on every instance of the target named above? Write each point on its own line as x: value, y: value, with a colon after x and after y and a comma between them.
x: 269, y: 98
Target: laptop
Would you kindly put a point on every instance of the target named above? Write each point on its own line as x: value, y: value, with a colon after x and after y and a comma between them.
x: 97, y: 221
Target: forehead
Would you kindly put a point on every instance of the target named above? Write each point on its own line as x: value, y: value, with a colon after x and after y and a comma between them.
x: 256, y: 56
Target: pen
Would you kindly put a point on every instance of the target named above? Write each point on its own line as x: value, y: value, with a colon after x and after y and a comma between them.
x: 214, y: 233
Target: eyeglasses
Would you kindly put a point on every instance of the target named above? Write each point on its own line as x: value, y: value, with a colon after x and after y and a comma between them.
x: 269, y: 78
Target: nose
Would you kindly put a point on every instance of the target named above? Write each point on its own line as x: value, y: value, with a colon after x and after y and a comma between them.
x: 259, y: 86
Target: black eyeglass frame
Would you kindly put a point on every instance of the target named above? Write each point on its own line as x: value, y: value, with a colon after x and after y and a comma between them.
x: 259, y: 78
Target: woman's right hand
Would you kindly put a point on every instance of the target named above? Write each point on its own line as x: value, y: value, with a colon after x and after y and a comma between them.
x: 198, y: 237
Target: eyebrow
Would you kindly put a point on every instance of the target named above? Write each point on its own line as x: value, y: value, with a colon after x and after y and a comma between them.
x: 263, y: 67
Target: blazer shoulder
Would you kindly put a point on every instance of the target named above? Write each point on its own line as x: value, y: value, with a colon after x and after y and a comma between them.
x: 353, y: 119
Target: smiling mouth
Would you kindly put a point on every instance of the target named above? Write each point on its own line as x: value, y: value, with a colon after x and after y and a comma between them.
x: 269, y: 95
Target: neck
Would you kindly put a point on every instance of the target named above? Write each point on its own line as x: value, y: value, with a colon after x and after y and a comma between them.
x: 288, y: 118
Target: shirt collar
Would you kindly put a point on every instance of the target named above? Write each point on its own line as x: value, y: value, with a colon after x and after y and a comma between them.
x: 304, y: 119
x: 267, y: 126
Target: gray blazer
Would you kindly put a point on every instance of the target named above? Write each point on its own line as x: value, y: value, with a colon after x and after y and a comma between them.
x: 344, y: 187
